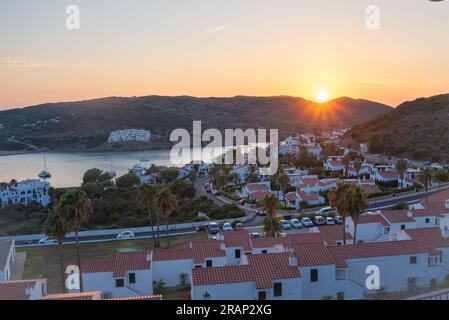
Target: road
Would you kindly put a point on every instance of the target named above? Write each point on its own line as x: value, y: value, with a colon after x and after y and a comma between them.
x: 253, y: 223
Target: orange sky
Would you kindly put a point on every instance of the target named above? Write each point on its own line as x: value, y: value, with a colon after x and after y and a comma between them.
x: 222, y: 48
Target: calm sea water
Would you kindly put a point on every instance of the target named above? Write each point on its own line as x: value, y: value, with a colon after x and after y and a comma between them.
x: 67, y: 169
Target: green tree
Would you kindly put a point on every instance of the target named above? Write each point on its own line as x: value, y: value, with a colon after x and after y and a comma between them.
x: 441, y: 176
x: 166, y: 203
x: 77, y: 209
x: 339, y: 198
x: 169, y: 175
x: 376, y: 143
x: 426, y: 180
x: 96, y: 176
x: 128, y: 180
x: 357, y: 205
x: 401, y: 166
x: 145, y: 199
x: 358, y: 165
x: 271, y: 225
x: 346, y: 162
x: 192, y: 176
x: 56, y: 227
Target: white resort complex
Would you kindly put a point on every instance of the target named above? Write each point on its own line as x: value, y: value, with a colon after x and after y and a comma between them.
x: 129, y: 135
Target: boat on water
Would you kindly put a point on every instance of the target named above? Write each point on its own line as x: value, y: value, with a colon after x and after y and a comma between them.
x: 45, y: 174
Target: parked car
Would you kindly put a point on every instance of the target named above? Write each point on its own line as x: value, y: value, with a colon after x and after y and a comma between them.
x: 338, y: 219
x: 330, y: 221
x: 227, y: 227
x: 324, y: 211
x: 125, y: 235
x: 256, y: 235
x: 261, y: 213
x: 288, y: 217
x: 47, y: 241
x: 296, y: 224
x: 285, y: 225
x: 208, y: 190
x: 239, y: 227
x: 307, y: 222
x: 319, y: 221
x: 213, y: 228
x: 217, y: 193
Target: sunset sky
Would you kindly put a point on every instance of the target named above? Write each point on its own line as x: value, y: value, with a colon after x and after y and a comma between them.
x: 301, y: 48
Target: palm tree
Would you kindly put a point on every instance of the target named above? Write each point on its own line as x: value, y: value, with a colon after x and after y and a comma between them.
x: 346, y: 161
x: 145, y: 200
x: 358, y: 165
x: 271, y: 204
x: 57, y: 228
x: 426, y: 179
x: 401, y: 166
x: 357, y: 205
x: 165, y: 203
x: 77, y: 209
x: 340, y: 199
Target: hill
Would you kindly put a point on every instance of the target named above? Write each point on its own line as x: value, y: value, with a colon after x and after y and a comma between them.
x: 416, y: 129
x: 87, y: 124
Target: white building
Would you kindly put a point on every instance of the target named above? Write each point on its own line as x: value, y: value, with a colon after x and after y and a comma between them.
x: 7, y: 257
x: 25, y: 192
x: 129, y: 135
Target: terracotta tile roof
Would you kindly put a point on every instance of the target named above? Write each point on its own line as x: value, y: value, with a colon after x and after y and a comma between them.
x: 397, y: 216
x: 373, y: 218
x: 437, y: 207
x: 206, y: 249
x: 253, y: 187
x: 377, y: 249
x: 369, y: 189
x: 74, y: 296
x: 237, y: 239
x: 16, y: 290
x: 439, y: 197
x: 123, y: 262
x: 308, y: 196
x: 261, y: 269
x: 260, y: 195
x: 333, y: 233
x: 313, y: 254
x: 311, y: 182
x: 327, y: 182
x: 172, y: 254
x: 430, y: 238
x: 427, y: 212
x: 389, y: 174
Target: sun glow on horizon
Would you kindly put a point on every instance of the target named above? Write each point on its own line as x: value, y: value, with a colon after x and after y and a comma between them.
x: 322, y: 95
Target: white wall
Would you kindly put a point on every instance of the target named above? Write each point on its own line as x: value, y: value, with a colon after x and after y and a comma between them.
x: 170, y: 271
x: 229, y: 291
x: 325, y: 286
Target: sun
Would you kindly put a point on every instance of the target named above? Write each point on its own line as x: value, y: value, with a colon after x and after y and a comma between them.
x: 322, y: 95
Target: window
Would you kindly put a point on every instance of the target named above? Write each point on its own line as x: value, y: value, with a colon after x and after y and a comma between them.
x: 278, y: 289
x: 402, y: 226
x: 264, y: 251
x: 262, y: 295
x: 197, y: 267
x: 413, y: 260
x: 441, y: 256
x: 119, y: 283
x: 238, y: 253
x: 427, y: 220
x: 314, y: 275
x: 132, y: 278
x: 208, y: 263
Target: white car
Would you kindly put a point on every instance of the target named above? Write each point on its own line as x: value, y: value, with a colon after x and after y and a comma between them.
x: 227, y: 227
x: 330, y: 221
x: 324, y: 211
x: 285, y: 225
x: 306, y: 222
x: 125, y: 235
x: 319, y: 221
x: 47, y: 241
x: 296, y: 224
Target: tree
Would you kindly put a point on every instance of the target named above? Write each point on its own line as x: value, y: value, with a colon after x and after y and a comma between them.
x: 251, y: 175
x: 358, y: 203
x: 283, y: 181
x: 128, y: 180
x: 358, y: 165
x: 346, y: 162
x: 401, y: 166
x: 77, y: 209
x: 441, y: 176
x: 376, y: 143
x: 339, y: 198
x: 166, y: 203
x: 271, y: 225
x: 151, y: 170
x: 95, y: 176
x: 56, y: 227
x: 426, y: 179
x: 145, y: 200
x: 192, y: 176
x: 169, y: 175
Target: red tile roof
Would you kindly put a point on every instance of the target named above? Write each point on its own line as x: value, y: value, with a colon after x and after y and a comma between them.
x: 313, y: 254
x: 253, y: 187
x: 377, y: 249
x: 16, y: 290
x: 237, y: 239
x: 308, y: 196
x: 172, y: 254
x: 397, y: 216
x: 389, y: 174
x: 430, y: 238
x: 123, y: 262
x: 334, y: 233
x: 156, y: 297
x: 369, y: 189
x: 74, y: 296
x: 261, y: 269
x: 311, y: 182
x: 373, y: 218
x: 260, y: 195
x: 439, y: 197
x: 206, y: 249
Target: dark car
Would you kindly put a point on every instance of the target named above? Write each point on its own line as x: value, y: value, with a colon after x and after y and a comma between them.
x: 261, y: 213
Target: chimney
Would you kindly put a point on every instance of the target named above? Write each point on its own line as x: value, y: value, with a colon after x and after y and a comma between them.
x: 222, y: 246
x: 292, y: 260
x: 149, y: 256
x: 409, y: 213
x: 28, y: 290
